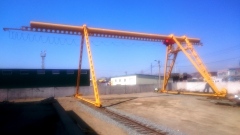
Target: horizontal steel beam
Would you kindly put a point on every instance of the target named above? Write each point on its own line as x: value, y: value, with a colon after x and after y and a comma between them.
x: 98, y: 32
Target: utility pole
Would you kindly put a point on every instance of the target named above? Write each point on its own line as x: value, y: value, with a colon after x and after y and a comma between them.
x: 159, y: 74
x: 151, y: 68
x: 175, y: 67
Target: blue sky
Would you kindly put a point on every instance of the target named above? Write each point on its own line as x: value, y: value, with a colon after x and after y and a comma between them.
x: 215, y: 22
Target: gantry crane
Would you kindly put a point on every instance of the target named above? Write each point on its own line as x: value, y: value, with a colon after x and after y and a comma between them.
x: 173, y: 44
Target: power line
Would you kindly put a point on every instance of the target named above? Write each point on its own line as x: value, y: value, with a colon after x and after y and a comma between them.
x: 214, y: 61
x: 223, y: 50
x: 226, y: 51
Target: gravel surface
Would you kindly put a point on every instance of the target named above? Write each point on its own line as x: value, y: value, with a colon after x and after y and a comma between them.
x: 133, y: 117
x: 107, y: 119
x: 147, y: 122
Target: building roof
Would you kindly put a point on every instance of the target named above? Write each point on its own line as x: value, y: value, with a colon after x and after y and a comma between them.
x: 139, y: 76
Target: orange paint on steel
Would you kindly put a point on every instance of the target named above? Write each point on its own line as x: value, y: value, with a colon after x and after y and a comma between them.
x: 79, y: 66
x: 93, y: 75
x: 107, y: 32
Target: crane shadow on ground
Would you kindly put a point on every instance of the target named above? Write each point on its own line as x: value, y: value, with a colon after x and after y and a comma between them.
x: 117, y: 101
x: 81, y: 124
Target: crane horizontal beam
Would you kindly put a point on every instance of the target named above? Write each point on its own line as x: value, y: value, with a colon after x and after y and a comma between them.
x: 99, y: 32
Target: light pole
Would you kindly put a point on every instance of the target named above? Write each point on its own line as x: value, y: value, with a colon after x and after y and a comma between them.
x: 151, y: 68
x: 159, y: 74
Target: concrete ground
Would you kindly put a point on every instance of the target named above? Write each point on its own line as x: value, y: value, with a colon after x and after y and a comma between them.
x: 193, y: 115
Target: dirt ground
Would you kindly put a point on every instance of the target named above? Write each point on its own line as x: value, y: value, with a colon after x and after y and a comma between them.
x: 95, y: 125
x: 192, y: 115
x: 187, y: 114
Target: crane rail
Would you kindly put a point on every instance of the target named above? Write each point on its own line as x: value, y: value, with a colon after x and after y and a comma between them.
x: 139, y: 127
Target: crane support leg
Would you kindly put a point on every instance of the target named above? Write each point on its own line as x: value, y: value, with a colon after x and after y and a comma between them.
x: 192, y: 55
x: 93, y: 76
x: 171, y: 55
x: 79, y: 66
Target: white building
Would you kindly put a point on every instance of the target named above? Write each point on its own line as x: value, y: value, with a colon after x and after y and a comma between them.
x: 135, y: 79
x: 230, y: 74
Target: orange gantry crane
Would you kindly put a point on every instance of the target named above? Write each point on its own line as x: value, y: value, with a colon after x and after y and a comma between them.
x: 173, y: 44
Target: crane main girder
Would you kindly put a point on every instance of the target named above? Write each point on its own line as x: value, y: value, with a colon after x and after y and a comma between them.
x: 98, y: 32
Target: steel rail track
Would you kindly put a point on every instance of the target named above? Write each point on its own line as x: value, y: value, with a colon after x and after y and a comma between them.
x: 130, y: 123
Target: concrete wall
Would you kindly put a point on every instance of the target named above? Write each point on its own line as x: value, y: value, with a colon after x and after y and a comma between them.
x: 24, y: 93
x: 147, y: 81
x: 119, y: 89
x: 232, y: 87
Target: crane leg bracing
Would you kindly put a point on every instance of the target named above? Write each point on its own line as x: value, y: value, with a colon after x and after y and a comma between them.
x: 193, y: 57
x: 79, y: 66
x: 171, y: 55
x: 174, y: 46
x: 92, y: 71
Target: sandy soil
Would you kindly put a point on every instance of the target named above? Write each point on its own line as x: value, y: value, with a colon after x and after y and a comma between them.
x: 187, y: 114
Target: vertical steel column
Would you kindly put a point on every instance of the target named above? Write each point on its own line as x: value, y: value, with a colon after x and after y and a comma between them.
x: 159, y: 75
x: 94, y: 80
x: 80, y: 65
x: 171, y: 55
x: 165, y: 72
